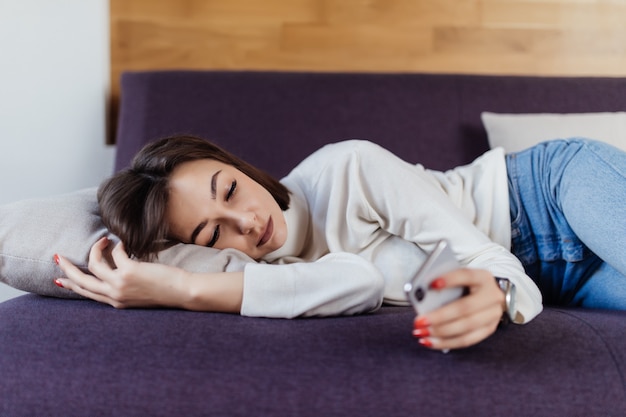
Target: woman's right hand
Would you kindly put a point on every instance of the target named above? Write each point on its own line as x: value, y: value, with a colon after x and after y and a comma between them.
x: 466, y: 321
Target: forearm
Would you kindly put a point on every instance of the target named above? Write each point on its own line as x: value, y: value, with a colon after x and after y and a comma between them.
x: 218, y: 292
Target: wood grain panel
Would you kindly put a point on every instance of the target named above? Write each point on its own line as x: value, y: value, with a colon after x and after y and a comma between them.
x: 539, y: 43
x: 383, y: 13
x: 536, y: 37
x: 590, y: 14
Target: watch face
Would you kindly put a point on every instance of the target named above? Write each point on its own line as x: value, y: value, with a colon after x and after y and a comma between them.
x: 509, y: 296
x: 503, y: 283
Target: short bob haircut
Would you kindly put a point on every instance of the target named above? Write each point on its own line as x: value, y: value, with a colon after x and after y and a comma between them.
x: 133, y: 202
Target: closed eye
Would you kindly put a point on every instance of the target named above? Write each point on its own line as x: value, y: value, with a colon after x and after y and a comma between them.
x: 229, y: 194
x: 231, y: 191
x: 216, y: 235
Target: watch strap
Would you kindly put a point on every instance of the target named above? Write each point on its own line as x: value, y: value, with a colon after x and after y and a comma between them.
x: 508, y: 288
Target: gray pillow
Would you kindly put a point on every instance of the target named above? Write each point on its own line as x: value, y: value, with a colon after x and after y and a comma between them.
x: 32, y: 231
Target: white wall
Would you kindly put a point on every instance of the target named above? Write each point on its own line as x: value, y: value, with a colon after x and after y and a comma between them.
x: 54, y: 78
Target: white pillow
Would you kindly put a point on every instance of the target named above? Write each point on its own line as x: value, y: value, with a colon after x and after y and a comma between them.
x: 515, y: 132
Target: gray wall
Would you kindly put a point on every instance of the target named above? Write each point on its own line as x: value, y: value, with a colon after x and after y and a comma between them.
x: 54, y: 78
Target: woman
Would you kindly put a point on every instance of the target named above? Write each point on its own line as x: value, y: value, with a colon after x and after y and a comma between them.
x: 352, y: 223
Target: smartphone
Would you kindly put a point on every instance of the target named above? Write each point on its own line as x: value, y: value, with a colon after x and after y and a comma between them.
x: 423, y: 298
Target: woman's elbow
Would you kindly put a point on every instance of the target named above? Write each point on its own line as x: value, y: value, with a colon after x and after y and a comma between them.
x: 371, y: 288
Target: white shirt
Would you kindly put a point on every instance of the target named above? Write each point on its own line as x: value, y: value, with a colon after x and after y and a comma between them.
x: 361, y: 222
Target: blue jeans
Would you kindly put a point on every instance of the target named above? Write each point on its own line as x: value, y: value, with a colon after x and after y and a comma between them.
x: 568, y: 221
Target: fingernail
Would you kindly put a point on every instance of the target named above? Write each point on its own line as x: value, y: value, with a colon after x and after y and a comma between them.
x: 421, y: 322
x: 425, y: 342
x: 438, y: 284
x: 58, y: 283
x: 419, y: 333
x: 56, y: 258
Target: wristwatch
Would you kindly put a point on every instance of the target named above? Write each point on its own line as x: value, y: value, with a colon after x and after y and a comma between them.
x: 508, y: 288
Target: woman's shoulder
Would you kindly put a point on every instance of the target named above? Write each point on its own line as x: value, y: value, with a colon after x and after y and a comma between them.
x: 337, y: 157
x: 350, y: 146
x: 325, y: 164
x: 333, y: 153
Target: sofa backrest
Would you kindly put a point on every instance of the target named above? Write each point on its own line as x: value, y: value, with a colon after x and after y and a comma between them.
x: 275, y: 119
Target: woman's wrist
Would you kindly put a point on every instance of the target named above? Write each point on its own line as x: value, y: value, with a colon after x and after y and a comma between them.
x: 181, y: 292
x: 219, y: 292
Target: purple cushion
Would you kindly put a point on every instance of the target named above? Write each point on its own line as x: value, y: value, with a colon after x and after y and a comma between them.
x: 77, y: 358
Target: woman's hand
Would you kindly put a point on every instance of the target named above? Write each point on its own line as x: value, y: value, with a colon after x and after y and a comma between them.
x: 125, y: 284
x: 469, y: 319
x: 129, y: 283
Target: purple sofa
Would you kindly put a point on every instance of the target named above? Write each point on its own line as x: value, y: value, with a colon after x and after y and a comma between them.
x: 80, y: 358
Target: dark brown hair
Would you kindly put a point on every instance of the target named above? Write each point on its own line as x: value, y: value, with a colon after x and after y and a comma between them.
x: 133, y: 202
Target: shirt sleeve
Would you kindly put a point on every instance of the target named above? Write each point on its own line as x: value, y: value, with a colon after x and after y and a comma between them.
x: 407, y: 201
x: 336, y: 284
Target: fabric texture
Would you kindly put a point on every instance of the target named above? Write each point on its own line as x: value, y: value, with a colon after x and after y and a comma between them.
x: 516, y: 132
x: 76, y: 358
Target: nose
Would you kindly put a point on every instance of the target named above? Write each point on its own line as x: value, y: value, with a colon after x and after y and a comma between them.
x: 245, y: 222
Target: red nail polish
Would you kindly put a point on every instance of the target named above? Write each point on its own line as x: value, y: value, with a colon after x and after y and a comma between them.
x: 56, y: 258
x: 426, y: 342
x: 419, y: 333
x: 438, y: 284
x: 421, y: 322
x: 58, y: 283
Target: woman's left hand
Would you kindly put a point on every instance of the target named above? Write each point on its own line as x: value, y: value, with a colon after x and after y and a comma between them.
x: 466, y: 321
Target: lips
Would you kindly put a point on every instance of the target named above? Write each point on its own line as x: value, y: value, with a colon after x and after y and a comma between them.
x: 267, y: 234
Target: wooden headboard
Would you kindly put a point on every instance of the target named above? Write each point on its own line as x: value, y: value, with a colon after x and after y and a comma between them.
x: 538, y: 37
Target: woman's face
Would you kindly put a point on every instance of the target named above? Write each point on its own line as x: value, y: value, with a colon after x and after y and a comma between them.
x: 214, y: 204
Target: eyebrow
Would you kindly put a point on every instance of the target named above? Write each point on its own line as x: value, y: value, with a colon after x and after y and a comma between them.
x: 214, y: 184
x: 198, y: 229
